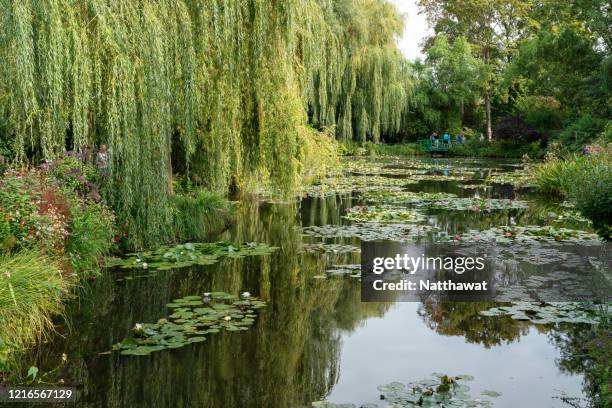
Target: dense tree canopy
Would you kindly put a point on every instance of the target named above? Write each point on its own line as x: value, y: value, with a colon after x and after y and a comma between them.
x: 546, y: 63
x: 220, y: 90
x: 234, y: 94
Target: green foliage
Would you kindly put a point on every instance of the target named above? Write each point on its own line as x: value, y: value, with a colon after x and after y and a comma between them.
x: 440, y: 391
x: 226, y: 86
x: 581, y: 132
x: 507, y: 149
x: 35, y: 214
x: 590, y: 188
x: 382, y: 215
x: 192, y: 318
x: 182, y: 255
x: 198, y: 214
x: 381, y: 149
x: 542, y: 113
x: 77, y: 176
x: 47, y: 210
x: 91, y: 237
x: 31, y: 292
x: 586, y: 180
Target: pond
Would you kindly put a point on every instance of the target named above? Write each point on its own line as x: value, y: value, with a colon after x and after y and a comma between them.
x: 315, y: 340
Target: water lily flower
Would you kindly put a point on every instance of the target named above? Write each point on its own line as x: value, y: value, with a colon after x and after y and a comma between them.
x: 145, y: 265
x: 207, y: 294
x: 138, y: 326
x: 137, y: 260
x: 246, y: 295
x: 457, y: 237
x: 227, y: 318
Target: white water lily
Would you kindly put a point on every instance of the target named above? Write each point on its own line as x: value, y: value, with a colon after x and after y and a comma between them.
x: 145, y: 265
x: 138, y: 326
x: 227, y: 318
x: 246, y: 295
x: 207, y: 294
x: 137, y: 260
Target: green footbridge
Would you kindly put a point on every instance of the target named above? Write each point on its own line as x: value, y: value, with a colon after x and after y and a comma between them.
x: 434, y: 146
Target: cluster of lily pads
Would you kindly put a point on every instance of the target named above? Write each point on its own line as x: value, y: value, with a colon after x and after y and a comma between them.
x: 170, y: 257
x: 473, y: 186
x: 517, y: 234
x: 446, y: 201
x: 517, y: 179
x: 382, y: 214
x: 350, y: 270
x: 568, y: 216
x: 440, y: 391
x: 371, y: 231
x: 478, y: 204
x: 323, y: 247
x: 346, y: 185
x: 441, y: 177
x: 193, y: 317
x: 404, y: 197
x: 546, y: 313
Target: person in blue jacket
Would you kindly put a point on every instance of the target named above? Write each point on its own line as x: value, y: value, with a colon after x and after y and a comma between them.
x: 446, y: 138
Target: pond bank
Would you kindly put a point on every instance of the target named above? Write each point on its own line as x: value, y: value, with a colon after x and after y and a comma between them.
x: 55, y: 232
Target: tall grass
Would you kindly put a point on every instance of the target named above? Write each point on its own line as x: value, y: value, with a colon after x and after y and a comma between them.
x: 552, y: 176
x: 31, y: 291
x: 197, y: 215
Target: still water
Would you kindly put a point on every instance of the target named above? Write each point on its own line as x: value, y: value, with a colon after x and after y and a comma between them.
x: 315, y: 339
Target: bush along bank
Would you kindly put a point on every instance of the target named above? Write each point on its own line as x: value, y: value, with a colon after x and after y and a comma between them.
x: 585, y: 180
x: 54, y: 231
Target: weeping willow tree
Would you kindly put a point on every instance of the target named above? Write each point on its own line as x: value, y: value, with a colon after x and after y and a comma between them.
x: 357, y: 80
x: 221, y: 90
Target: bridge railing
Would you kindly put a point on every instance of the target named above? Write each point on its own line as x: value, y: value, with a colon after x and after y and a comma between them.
x: 437, y: 145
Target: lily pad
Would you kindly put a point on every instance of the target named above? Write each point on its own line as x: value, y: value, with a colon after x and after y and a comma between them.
x: 382, y: 214
x: 188, y: 254
x: 189, y: 322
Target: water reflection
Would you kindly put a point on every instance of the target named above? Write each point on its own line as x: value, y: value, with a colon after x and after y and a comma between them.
x: 315, y: 339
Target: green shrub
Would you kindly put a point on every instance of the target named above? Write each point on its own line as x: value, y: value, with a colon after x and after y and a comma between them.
x: 581, y: 132
x: 590, y: 187
x: 551, y: 177
x: 586, y: 181
x: 91, y: 237
x: 473, y: 147
x: 35, y: 211
x: 541, y: 112
x: 197, y: 215
x: 77, y: 176
x: 400, y: 149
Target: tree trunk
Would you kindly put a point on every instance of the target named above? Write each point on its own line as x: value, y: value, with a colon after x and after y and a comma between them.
x: 488, y: 116
x: 488, y: 97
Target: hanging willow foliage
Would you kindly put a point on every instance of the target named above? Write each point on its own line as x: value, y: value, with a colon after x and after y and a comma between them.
x: 222, y: 89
